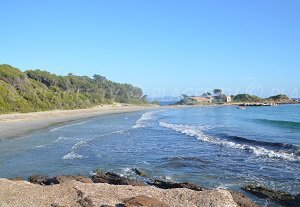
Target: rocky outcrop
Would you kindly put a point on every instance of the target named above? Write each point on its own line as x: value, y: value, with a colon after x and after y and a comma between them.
x: 46, y: 180
x: 242, y: 200
x: 276, y: 196
x: 114, y: 179
x: 78, y: 194
x: 171, y: 185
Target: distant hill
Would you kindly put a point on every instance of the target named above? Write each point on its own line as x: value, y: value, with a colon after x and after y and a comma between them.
x: 36, y: 90
x: 246, y: 98
x: 280, y: 97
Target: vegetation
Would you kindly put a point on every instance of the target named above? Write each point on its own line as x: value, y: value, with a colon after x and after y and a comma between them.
x: 280, y: 97
x: 246, y: 98
x: 36, y: 90
x: 217, y: 92
x: 221, y: 98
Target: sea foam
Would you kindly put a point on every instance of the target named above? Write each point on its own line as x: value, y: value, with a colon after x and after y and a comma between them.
x: 198, y: 133
x: 141, y: 123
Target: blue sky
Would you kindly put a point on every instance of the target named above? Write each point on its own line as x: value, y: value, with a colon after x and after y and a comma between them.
x: 167, y: 47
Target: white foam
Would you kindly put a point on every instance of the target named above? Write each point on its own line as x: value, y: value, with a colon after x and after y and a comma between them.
x: 141, y: 123
x: 41, y: 146
x: 257, y: 150
x: 65, y: 126
x: 72, y: 155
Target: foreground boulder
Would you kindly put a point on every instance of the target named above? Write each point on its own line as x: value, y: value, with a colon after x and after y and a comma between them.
x: 114, y: 179
x: 242, y: 200
x: 171, y: 185
x: 276, y: 196
x: 47, y: 180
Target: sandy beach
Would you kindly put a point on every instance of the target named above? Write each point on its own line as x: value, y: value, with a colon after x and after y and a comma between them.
x: 19, y: 125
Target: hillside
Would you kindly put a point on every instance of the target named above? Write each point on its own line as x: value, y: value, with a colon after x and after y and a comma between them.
x: 246, y: 98
x: 36, y: 90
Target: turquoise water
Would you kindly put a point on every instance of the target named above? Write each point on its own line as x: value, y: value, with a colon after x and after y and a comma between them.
x: 219, y: 147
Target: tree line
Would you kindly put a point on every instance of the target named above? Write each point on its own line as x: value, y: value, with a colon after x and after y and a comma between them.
x: 37, y: 90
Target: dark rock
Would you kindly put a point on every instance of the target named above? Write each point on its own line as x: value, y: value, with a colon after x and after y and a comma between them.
x: 143, y: 201
x: 43, y: 180
x: 114, y: 179
x: 242, y: 200
x: 139, y: 172
x: 106, y: 206
x: 46, y: 180
x: 171, y: 185
x: 276, y: 196
x: 67, y: 178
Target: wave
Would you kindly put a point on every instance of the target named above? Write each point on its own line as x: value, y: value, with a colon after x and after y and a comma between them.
x: 141, y: 123
x: 65, y: 126
x: 277, y: 145
x: 74, y: 155
x: 280, y: 123
x: 257, y: 150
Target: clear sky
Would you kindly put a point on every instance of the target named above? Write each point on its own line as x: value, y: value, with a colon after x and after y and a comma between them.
x: 167, y: 47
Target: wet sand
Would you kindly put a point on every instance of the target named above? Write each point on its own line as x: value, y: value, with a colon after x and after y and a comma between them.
x: 19, y: 125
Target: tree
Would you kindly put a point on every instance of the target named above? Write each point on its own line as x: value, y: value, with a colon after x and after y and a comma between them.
x: 208, y: 93
x: 185, y: 96
x: 217, y: 92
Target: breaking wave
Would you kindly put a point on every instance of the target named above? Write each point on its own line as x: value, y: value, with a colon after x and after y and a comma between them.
x: 72, y: 154
x: 257, y: 150
x: 141, y: 123
x: 277, y: 145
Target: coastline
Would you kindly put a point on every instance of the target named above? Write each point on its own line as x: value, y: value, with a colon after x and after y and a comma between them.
x: 18, y: 125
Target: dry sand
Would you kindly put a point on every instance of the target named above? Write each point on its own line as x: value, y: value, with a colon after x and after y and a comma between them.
x: 19, y: 125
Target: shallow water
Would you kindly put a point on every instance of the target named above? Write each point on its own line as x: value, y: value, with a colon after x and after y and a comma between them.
x: 219, y: 147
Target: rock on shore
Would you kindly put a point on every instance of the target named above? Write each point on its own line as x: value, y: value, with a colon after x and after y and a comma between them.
x: 73, y: 193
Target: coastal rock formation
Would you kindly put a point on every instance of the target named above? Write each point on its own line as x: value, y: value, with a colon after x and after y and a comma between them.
x: 77, y: 194
x: 276, y: 196
x: 242, y: 200
x: 46, y: 180
x: 114, y: 179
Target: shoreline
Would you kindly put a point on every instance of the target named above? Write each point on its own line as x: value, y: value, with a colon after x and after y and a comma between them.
x: 18, y: 125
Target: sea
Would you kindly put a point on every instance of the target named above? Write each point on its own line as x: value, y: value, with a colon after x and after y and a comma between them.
x: 213, y: 146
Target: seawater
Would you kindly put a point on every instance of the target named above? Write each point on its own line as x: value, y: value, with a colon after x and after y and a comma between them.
x: 215, y: 147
